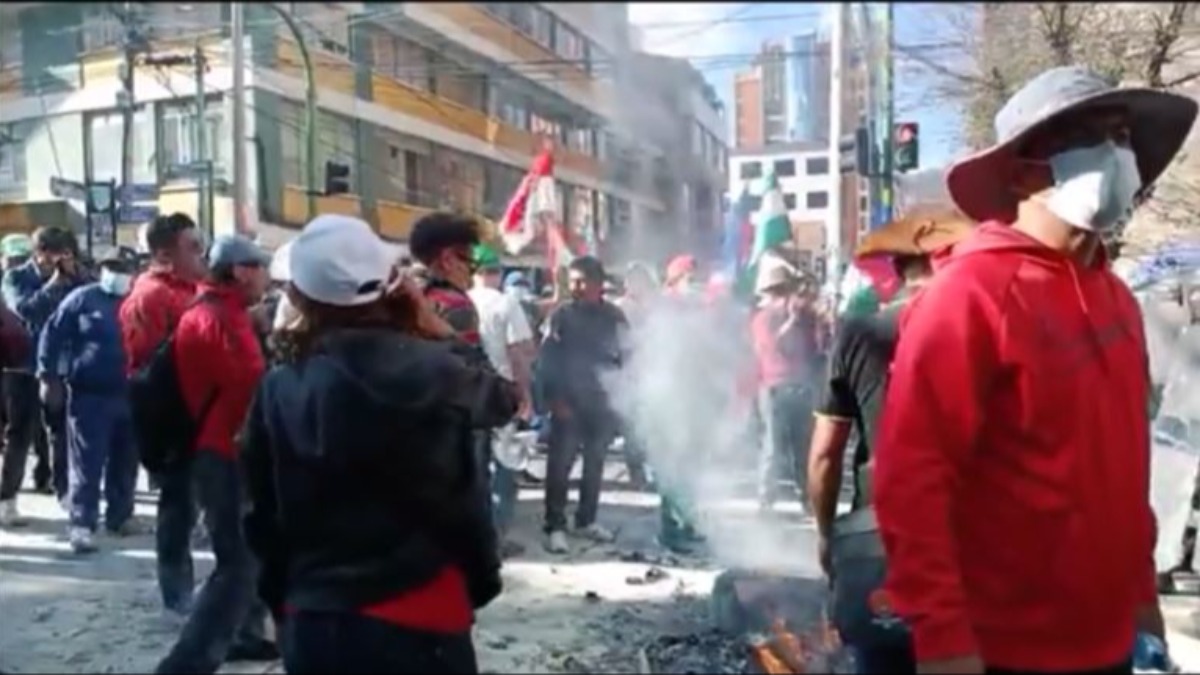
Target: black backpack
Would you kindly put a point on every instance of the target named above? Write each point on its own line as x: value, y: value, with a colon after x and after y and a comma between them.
x: 163, y: 426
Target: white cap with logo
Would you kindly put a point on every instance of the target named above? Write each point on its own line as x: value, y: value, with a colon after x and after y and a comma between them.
x: 339, y: 260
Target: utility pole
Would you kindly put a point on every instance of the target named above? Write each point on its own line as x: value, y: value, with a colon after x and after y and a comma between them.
x: 201, y: 166
x: 833, y: 221
x: 205, y: 187
x: 237, y: 16
x: 131, y: 41
x: 889, y: 102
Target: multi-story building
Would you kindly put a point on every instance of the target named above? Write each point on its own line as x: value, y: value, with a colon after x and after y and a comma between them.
x: 432, y: 106
x: 784, y: 95
x: 803, y: 172
x: 809, y: 88
x: 749, y: 129
x: 688, y: 121
x: 772, y: 63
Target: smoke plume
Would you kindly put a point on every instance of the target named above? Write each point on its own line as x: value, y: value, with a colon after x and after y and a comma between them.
x: 679, y: 394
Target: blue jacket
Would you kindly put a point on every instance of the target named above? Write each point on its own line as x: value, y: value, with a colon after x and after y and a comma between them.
x: 30, y: 295
x: 85, y: 334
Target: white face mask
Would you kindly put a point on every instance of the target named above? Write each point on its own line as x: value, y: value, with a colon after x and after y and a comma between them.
x: 1095, y: 187
x: 115, y: 283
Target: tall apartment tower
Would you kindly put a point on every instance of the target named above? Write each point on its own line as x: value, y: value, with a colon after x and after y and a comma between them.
x: 808, y: 71
x: 748, y: 109
x: 784, y: 96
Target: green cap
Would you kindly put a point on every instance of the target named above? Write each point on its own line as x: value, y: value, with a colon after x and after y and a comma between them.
x: 484, y: 257
x: 16, y: 246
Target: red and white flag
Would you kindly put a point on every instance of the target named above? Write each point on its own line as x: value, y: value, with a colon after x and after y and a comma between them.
x: 533, y: 205
x: 533, y: 212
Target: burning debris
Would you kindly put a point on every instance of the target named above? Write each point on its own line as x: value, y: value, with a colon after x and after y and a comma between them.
x: 707, y: 652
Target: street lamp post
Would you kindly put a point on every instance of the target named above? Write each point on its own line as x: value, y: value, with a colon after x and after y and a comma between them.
x: 310, y: 109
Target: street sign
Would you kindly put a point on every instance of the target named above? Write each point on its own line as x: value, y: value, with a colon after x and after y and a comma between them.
x: 194, y: 169
x: 101, y: 228
x: 137, y: 213
x: 139, y: 192
x: 100, y: 197
x: 68, y: 189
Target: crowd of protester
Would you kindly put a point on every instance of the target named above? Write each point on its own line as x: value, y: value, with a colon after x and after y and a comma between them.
x: 336, y: 421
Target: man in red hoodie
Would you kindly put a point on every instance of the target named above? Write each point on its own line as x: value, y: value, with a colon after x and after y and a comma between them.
x: 1012, y: 476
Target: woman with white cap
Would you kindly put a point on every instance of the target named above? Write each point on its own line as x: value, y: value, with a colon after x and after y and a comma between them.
x: 367, y: 510
x: 1012, y: 471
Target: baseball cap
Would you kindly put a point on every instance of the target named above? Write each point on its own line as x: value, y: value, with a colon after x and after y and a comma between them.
x: 236, y: 251
x: 16, y: 246
x: 339, y: 260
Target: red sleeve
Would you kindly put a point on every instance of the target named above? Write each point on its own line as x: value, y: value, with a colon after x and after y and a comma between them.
x: 944, y: 360
x: 142, y: 327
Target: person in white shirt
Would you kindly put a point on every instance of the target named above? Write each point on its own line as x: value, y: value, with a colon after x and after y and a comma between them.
x: 508, y: 342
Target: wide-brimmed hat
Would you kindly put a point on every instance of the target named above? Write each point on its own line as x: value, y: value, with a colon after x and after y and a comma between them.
x: 1159, y: 124
x: 774, y: 272
x: 920, y: 231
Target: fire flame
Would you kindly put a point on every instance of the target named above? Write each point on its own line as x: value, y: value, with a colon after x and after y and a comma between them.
x: 785, y: 652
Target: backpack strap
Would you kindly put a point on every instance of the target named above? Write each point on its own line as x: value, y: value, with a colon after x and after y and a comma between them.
x: 211, y: 399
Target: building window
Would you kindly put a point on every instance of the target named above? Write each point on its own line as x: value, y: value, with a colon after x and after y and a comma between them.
x: 168, y: 20
x: 816, y: 200
x: 102, y: 29
x: 12, y: 156
x: 754, y: 203
x: 816, y: 166
x: 413, y: 64
x: 500, y: 183
x: 179, y: 137
x: 569, y: 44
x: 542, y: 27
x: 750, y: 170
x: 862, y: 203
x: 521, y: 16
x: 325, y: 25
x: 789, y: 200
x: 10, y: 47
x: 785, y: 168
x: 581, y: 140
x: 335, y: 143
x: 104, y: 132
x: 541, y: 126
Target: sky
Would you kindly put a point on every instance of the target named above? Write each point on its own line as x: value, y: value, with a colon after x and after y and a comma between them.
x: 721, y: 38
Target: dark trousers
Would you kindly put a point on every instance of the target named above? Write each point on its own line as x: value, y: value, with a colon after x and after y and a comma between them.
x: 786, y: 413
x: 873, y: 661
x: 587, y: 433
x: 348, y: 643
x: 32, y: 425
x: 227, y: 608
x: 501, y: 490
x: 101, y: 449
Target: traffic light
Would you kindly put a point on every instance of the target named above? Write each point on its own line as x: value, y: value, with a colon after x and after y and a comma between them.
x: 907, y: 147
x: 337, y: 178
x: 855, y: 152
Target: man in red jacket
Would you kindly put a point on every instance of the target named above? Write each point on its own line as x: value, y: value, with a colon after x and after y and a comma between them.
x: 1012, y: 476
x: 149, y: 313
x: 219, y: 361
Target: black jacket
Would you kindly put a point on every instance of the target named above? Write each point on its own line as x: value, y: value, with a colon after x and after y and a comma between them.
x: 583, y: 341
x: 361, y: 475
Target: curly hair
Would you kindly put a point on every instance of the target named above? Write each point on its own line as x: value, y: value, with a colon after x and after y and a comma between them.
x: 295, y: 344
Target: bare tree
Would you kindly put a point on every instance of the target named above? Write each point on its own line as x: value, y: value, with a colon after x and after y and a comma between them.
x: 1000, y: 46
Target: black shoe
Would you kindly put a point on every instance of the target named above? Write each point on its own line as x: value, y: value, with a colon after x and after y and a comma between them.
x: 253, y: 650
x: 526, y: 479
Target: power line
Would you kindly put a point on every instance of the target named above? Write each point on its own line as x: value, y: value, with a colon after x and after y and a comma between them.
x: 709, y: 25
